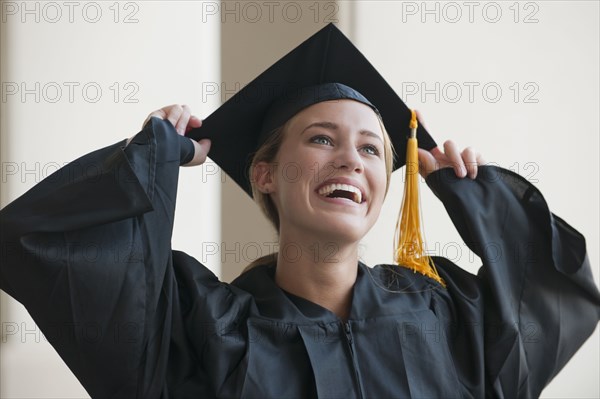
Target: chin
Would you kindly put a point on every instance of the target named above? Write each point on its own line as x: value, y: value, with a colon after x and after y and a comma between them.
x: 341, y: 228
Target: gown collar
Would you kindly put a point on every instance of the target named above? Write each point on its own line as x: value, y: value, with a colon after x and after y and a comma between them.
x: 385, y: 290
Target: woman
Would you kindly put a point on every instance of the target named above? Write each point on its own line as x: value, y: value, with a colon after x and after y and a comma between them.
x: 136, y: 323
x: 300, y: 210
x: 138, y: 319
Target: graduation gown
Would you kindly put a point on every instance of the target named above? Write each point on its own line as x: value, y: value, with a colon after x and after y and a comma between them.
x: 88, y: 252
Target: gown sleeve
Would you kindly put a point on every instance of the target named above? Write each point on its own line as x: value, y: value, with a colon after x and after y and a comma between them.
x: 87, y: 252
x: 533, y: 302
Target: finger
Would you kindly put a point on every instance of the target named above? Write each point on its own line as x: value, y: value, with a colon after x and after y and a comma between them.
x: 162, y: 113
x: 194, y: 122
x: 201, y: 149
x: 437, y: 153
x: 453, y: 154
x: 427, y: 162
x: 183, y: 120
x: 205, y: 145
x: 469, y: 157
x: 441, y: 160
x: 480, y: 159
x: 173, y: 113
x: 158, y: 113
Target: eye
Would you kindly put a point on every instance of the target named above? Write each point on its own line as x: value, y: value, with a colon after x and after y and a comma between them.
x: 324, y: 140
x: 371, y: 149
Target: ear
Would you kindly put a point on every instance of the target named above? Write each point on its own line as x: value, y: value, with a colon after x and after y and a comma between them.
x: 263, y: 177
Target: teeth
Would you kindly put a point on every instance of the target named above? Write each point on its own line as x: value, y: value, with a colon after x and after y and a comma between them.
x: 328, y: 189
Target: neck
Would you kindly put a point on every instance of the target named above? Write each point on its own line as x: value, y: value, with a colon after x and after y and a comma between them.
x: 324, y: 272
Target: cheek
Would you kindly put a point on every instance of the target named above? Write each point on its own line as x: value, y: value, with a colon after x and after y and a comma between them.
x: 299, y: 168
x: 293, y: 180
x: 379, y: 178
x: 378, y: 182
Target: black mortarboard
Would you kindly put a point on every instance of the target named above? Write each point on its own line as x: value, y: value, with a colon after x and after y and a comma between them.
x: 326, y: 66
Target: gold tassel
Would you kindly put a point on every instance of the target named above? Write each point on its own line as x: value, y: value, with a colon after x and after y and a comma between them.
x: 410, y: 249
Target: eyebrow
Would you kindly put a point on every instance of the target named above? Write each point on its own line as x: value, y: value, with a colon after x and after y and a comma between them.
x: 335, y: 126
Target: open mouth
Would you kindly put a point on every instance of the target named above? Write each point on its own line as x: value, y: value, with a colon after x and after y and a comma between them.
x: 346, y: 191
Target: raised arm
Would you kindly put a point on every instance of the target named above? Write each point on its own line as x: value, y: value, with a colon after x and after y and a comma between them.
x: 534, y: 301
x: 87, y: 252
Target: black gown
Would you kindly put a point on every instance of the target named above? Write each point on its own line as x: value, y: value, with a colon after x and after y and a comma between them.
x: 88, y: 252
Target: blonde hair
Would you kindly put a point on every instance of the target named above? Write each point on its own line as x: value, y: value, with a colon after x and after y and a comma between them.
x: 268, y: 152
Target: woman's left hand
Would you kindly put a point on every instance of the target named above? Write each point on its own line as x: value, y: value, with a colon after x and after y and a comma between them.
x: 463, y: 162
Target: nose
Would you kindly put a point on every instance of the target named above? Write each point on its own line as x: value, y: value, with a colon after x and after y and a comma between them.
x: 348, y: 157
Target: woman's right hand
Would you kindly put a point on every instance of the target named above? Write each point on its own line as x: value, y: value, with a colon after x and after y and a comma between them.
x: 182, y: 119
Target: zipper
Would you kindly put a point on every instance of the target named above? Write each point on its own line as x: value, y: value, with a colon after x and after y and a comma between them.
x: 350, y: 341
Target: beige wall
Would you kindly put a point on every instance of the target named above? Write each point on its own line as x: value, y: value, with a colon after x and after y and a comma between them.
x: 176, y: 48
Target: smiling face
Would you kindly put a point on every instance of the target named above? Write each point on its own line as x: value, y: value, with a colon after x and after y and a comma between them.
x: 330, y: 176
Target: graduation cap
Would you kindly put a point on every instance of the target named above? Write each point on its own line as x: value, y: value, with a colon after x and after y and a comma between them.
x: 301, y: 78
x: 326, y: 66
